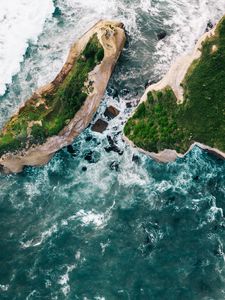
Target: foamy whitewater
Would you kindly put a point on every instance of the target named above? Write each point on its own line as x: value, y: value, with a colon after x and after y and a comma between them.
x: 21, y: 22
x: 121, y: 226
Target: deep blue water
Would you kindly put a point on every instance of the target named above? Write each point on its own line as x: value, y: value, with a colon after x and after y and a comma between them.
x: 121, y: 226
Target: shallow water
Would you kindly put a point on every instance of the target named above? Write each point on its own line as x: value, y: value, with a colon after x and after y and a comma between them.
x: 123, y: 226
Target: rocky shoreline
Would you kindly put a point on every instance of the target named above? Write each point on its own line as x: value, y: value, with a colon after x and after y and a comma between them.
x: 112, y: 37
x: 174, y: 79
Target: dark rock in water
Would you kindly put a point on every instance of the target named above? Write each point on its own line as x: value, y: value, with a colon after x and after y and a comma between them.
x: 209, y: 26
x: 161, y: 35
x: 57, y: 12
x: 136, y: 159
x: 92, y: 157
x: 89, y: 156
x: 133, y: 103
x: 113, y: 92
x: 110, y: 140
x: 195, y: 178
x: 129, y: 104
x: 88, y: 138
x: 84, y: 169
x: 114, y: 166
x: 111, y: 112
x: 113, y: 147
x: 100, y: 126
x: 71, y: 150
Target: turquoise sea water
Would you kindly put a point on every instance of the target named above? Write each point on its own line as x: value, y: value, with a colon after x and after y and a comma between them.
x: 97, y: 224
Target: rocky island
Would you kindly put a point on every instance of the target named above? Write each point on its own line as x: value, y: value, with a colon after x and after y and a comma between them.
x: 61, y: 110
x: 187, y: 107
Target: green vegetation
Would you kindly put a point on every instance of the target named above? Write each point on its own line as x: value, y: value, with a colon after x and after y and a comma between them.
x: 160, y: 123
x: 42, y: 118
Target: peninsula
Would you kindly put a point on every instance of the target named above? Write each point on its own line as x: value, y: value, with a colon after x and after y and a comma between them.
x: 58, y: 112
x: 187, y: 107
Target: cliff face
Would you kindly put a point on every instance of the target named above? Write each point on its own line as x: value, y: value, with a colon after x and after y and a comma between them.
x: 95, y: 53
x: 186, y: 108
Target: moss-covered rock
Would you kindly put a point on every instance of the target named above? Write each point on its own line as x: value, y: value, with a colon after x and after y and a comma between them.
x: 45, y: 116
x: 59, y: 111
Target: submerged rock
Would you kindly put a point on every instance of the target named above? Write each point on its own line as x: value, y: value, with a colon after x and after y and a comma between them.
x: 92, y: 157
x: 124, y: 92
x: 71, y: 150
x: 57, y: 13
x: 113, y: 92
x: 88, y: 138
x: 136, y: 159
x: 114, y: 166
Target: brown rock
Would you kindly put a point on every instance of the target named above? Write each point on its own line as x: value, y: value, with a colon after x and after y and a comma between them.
x: 111, y: 112
x: 100, y: 126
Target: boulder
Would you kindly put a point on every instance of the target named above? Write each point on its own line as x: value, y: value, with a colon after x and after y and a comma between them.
x: 92, y: 157
x: 70, y: 149
x: 111, y: 112
x: 161, y: 35
x: 112, y: 146
x: 209, y: 26
x: 100, y: 126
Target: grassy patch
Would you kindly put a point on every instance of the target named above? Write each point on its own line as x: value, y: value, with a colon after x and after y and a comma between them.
x: 42, y: 118
x: 159, y: 123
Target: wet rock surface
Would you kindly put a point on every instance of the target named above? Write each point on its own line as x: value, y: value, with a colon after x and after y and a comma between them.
x: 209, y: 26
x: 111, y: 112
x: 71, y: 150
x: 92, y: 157
x: 100, y: 126
x: 112, y: 146
x: 136, y: 159
x: 161, y: 34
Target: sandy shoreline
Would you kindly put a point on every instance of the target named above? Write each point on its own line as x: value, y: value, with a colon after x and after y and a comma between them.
x: 111, y: 35
x: 174, y: 78
x: 176, y: 74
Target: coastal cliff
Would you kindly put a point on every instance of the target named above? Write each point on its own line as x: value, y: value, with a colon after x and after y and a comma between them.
x: 58, y: 112
x: 187, y: 107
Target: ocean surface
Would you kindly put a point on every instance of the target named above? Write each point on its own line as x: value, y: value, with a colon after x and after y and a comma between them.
x: 100, y: 224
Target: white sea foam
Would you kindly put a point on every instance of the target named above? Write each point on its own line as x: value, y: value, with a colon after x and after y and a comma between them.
x: 38, y: 241
x: 64, y: 280
x: 91, y: 217
x: 187, y: 21
x: 4, y: 287
x: 21, y: 22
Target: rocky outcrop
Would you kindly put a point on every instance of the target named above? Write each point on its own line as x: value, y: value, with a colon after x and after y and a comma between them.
x: 174, y: 79
x: 111, y: 35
